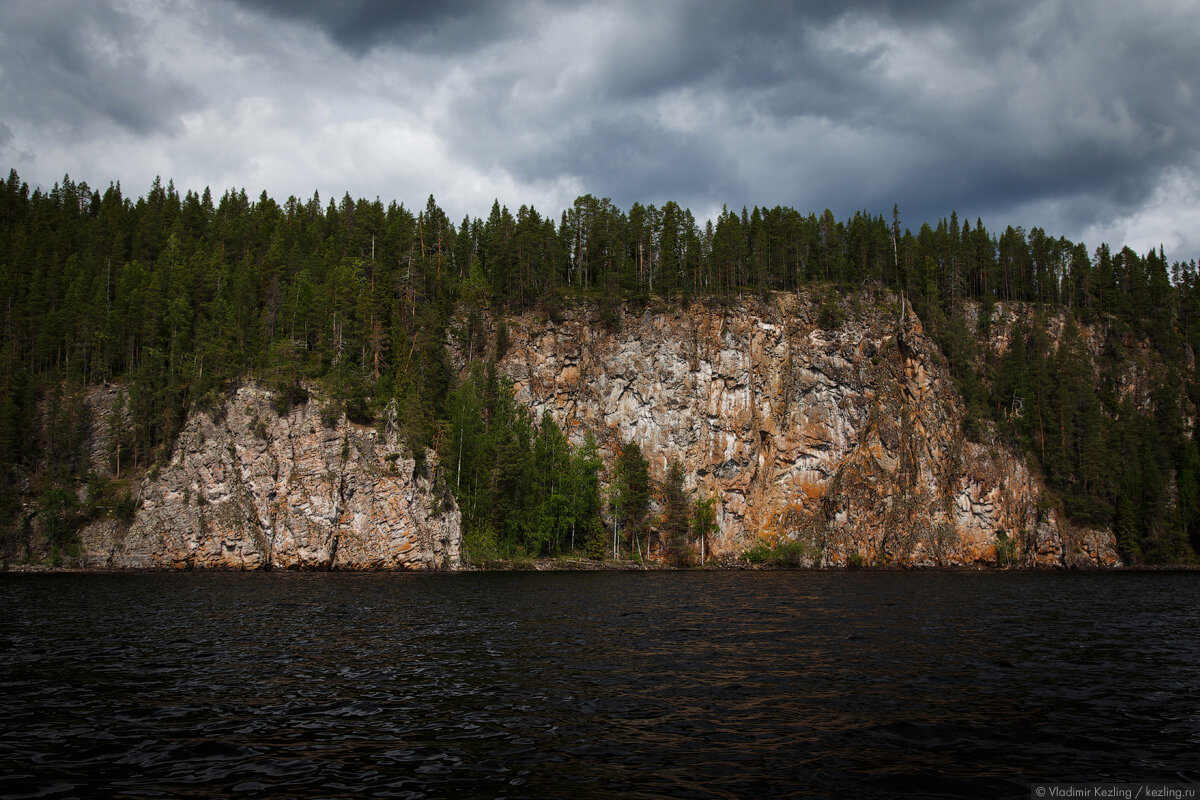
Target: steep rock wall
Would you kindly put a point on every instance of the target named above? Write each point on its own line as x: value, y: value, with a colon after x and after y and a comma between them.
x: 848, y: 439
x: 249, y: 489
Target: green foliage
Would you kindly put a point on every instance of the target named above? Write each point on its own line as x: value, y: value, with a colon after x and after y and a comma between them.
x: 60, y: 517
x: 704, y: 524
x: 792, y: 554
x: 760, y: 554
x: 584, y: 497
x: 629, y: 498
x: 501, y: 339
x: 330, y: 414
x: 831, y: 314
x: 522, y: 489
x: 1006, y: 549
x: 595, y: 539
x: 127, y: 506
x: 287, y: 397
x: 676, y: 522
x: 108, y: 497
x: 481, y: 545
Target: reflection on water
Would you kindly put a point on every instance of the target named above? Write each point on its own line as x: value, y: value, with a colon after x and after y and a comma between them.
x: 595, y: 684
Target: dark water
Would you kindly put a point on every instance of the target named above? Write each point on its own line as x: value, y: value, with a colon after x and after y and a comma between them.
x: 595, y: 684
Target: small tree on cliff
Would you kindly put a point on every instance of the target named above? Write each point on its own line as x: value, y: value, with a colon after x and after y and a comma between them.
x: 550, y: 517
x: 584, y: 483
x: 630, y: 495
x: 704, y: 523
x: 676, y: 515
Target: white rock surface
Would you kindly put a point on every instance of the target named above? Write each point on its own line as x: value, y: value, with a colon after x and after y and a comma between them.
x: 253, y: 490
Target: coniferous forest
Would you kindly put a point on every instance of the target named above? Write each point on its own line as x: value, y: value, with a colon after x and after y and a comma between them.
x: 175, y: 298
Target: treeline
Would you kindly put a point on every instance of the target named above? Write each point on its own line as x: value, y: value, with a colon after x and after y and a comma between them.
x: 175, y: 296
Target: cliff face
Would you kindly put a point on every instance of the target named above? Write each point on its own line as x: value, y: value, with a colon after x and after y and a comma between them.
x: 249, y: 489
x: 847, y: 439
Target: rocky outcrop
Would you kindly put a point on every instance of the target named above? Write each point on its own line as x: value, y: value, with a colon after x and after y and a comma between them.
x: 840, y: 431
x: 846, y: 436
x: 246, y: 488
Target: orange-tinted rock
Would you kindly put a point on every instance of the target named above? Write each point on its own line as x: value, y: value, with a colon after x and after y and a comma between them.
x: 849, y: 439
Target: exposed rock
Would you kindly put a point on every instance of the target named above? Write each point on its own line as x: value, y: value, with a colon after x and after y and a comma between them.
x: 253, y: 490
x: 848, y: 439
x: 108, y: 411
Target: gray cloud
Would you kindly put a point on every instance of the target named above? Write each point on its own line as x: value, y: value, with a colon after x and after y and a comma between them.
x: 629, y: 158
x: 1044, y: 114
x: 359, y: 25
x: 67, y: 64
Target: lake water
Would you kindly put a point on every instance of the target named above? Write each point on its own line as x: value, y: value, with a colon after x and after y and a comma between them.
x: 663, y: 684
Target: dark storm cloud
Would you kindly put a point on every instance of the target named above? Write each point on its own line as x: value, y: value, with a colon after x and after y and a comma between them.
x: 74, y: 64
x: 1085, y: 109
x: 1053, y: 113
x: 774, y: 65
x: 632, y: 160
x: 358, y: 25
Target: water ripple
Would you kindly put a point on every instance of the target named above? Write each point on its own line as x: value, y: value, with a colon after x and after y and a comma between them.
x: 700, y: 685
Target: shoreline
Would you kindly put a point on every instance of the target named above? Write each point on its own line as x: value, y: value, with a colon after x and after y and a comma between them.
x: 608, y: 565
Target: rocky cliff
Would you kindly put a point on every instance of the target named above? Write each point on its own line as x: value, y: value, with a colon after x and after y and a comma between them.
x: 841, y: 434
x: 834, y: 425
x: 247, y: 488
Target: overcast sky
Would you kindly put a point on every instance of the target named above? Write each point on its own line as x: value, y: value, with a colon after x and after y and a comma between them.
x: 1083, y: 118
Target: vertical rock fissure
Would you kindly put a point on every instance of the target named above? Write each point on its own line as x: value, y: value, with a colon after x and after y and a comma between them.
x: 339, y: 497
x: 273, y: 509
x: 286, y: 490
x: 240, y: 478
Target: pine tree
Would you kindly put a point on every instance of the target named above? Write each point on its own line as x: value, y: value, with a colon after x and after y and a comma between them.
x: 704, y: 524
x: 630, y: 501
x: 584, y: 490
x: 677, y: 515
